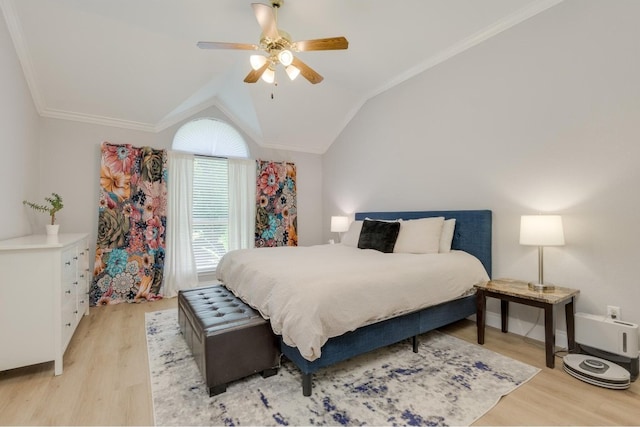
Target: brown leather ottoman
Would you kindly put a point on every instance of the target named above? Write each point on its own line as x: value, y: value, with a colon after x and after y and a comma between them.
x: 229, y: 340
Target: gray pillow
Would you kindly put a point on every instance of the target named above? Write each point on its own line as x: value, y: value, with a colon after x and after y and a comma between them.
x: 379, y: 235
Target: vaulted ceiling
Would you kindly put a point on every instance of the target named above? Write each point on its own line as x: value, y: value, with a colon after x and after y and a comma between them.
x: 135, y: 64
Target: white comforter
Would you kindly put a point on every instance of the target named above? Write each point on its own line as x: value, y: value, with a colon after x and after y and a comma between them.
x: 314, y: 293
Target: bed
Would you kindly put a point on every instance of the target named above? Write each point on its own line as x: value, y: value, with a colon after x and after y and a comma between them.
x: 299, y: 300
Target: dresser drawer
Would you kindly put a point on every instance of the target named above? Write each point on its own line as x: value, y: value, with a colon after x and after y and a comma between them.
x: 69, y: 264
x: 68, y: 293
x: 69, y: 322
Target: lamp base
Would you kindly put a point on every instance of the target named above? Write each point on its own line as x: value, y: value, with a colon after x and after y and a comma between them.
x: 541, y: 287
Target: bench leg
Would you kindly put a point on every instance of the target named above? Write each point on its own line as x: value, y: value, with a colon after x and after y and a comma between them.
x: 414, y: 341
x: 217, y: 389
x: 269, y: 372
x: 306, y: 384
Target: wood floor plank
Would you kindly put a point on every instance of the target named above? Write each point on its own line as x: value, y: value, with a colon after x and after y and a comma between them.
x: 106, y: 380
x: 552, y: 397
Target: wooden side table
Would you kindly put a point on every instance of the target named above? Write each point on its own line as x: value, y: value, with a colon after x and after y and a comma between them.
x: 507, y: 290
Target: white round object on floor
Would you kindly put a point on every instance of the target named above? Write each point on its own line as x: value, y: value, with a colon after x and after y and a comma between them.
x: 596, y: 371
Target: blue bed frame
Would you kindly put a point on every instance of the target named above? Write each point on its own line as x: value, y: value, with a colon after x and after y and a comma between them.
x: 472, y: 234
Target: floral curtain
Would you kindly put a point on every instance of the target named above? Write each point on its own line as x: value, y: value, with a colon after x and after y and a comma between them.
x: 276, y: 212
x: 130, y: 247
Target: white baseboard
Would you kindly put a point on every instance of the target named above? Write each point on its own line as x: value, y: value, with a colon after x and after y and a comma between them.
x: 521, y: 327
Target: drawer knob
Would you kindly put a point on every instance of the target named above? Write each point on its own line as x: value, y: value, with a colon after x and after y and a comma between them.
x: 75, y: 312
x: 67, y: 291
x: 75, y: 283
x: 75, y: 257
x: 68, y: 324
x: 67, y: 263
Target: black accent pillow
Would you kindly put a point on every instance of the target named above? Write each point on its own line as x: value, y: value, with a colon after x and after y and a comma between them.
x: 379, y: 235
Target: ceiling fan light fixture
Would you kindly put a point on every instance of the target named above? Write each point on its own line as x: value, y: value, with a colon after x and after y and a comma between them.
x: 278, y: 47
x: 285, y: 57
x: 257, y: 61
x: 269, y: 75
x: 292, y: 72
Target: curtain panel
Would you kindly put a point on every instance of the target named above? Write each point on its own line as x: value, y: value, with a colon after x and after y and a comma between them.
x: 276, y: 212
x: 130, y: 247
x: 242, y: 209
x: 180, y: 265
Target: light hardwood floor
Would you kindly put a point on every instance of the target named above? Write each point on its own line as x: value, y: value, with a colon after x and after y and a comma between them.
x: 106, y: 381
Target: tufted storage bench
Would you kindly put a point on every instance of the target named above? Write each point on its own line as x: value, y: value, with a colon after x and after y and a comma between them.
x: 229, y: 340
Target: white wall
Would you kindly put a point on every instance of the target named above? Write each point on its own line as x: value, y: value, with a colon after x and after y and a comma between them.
x: 18, y: 143
x: 70, y: 165
x: 544, y: 117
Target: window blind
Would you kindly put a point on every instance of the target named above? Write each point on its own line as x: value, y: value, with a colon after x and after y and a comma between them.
x: 210, y: 211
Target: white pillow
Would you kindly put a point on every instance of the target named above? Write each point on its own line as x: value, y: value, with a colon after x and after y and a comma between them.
x: 419, y: 236
x: 447, y: 235
x: 351, y: 237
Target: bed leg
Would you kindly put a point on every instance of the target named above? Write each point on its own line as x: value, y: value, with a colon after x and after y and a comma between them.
x: 306, y: 384
x: 414, y: 341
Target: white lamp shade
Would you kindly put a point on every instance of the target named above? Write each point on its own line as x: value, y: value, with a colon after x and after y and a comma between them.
x: 339, y: 224
x: 269, y: 75
x: 292, y: 72
x: 285, y: 57
x: 541, y: 230
x: 257, y: 61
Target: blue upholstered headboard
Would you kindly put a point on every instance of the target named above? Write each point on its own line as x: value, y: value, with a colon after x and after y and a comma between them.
x: 472, y: 233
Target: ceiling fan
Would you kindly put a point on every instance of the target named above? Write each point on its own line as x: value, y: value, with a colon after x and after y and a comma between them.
x: 279, y: 47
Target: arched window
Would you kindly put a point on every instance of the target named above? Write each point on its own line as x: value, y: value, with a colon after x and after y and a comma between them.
x: 213, y: 141
x: 210, y: 137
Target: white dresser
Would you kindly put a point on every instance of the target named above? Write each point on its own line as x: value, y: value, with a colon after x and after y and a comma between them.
x: 44, y: 291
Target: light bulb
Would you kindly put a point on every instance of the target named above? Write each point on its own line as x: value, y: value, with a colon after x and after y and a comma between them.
x: 269, y: 75
x: 285, y: 57
x: 257, y: 61
x: 292, y: 72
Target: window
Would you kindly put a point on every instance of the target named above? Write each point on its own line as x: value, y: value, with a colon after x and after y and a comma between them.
x: 210, y: 211
x: 212, y: 141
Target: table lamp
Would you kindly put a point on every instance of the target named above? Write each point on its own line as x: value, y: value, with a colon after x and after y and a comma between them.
x: 339, y: 224
x: 541, y: 231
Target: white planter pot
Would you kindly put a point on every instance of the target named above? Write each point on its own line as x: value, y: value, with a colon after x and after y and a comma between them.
x: 52, y: 230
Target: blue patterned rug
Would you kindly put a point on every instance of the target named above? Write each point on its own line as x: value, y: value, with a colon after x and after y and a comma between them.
x: 449, y: 382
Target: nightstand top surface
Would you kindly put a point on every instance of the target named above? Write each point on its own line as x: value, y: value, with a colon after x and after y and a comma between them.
x: 518, y: 288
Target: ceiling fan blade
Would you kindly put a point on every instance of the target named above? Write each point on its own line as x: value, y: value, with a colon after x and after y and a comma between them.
x: 223, y: 45
x: 306, y: 71
x: 254, y: 75
x: 331, y: 43
x: 266, y: 19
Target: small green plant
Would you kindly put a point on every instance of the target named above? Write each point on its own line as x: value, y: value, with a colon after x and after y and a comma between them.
x: 55, y: 204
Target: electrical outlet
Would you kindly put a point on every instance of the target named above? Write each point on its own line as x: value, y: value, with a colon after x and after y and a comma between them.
x: 613, y: 312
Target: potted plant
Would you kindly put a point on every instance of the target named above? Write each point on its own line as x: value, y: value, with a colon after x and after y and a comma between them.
x: 53, y: 206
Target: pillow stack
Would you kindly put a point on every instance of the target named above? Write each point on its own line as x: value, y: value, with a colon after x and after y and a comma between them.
x: 415, y: 236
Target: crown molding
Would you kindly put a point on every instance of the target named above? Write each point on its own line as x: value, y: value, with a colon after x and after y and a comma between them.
x: 173, y: 119
x: 17, y: 36
x: 469, y: 42
x: 97, y: 120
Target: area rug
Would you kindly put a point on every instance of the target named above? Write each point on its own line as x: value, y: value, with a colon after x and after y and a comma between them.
x: 448, y: 382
